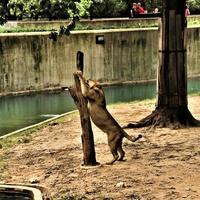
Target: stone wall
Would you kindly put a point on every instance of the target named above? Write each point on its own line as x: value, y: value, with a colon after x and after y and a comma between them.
x: 31, y: 61
x: 193, y: 51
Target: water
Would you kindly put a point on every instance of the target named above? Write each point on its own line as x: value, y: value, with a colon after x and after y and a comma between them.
x: 22, y: 111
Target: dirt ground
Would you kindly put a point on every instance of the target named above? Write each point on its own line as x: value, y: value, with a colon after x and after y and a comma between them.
x: 163, y: 165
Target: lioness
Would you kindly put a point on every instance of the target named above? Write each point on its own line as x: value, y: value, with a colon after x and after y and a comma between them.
x: 102, y: 118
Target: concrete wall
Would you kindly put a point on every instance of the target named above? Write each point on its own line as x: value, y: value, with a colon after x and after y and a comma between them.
x: 33, y: 62
x: 193, y: 51
x: 106, y: 23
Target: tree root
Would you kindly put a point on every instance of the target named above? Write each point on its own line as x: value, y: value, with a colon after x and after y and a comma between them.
x: 177, y: 117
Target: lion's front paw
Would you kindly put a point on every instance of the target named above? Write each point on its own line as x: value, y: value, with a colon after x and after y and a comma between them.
x: 79, y: 73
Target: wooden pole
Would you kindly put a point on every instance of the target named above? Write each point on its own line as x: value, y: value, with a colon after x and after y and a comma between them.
x: 89, y: 156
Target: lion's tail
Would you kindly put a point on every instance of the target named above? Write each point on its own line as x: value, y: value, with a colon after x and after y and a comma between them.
x: 132, y: 139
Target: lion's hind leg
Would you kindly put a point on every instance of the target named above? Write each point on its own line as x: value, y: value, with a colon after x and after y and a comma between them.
x: 121, y: 153
x: 114, y: 150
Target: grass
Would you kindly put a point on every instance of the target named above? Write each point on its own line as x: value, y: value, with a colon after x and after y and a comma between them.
x: 91, y: 26
x: 79, y: 27
x: 3, y: 165
x: 194, y: 94
x: 19, y: 30
x: 193, y: 23
x: 121, y: 26
x: 10, y: 141
x: 145, y: 102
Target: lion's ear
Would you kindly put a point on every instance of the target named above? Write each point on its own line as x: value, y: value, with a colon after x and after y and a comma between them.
x: 97, y: 84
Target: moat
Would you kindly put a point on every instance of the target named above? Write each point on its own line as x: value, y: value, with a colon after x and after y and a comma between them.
x: 21, y: 111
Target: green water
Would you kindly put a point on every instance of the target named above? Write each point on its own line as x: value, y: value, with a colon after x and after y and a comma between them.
x: 22, y: 111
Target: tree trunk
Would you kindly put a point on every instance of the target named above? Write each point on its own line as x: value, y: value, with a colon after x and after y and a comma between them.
x: 172, y: 106
x: 89, y: 157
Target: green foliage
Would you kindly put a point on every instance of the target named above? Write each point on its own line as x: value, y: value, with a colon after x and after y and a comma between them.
x: 16, y: 8
x: 34, y: 9
x: 84, y: 7
x: 109, y: 8
x: 150, y: 5
x: 194, y: 3
x: 194, y: 6
x: 31, y: 9
x: 59, y: 9
x: 64, y: 9
x: 3, y: 11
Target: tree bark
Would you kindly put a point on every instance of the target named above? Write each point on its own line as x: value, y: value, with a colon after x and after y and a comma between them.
x: 89, y: 157
x: 172, y: 105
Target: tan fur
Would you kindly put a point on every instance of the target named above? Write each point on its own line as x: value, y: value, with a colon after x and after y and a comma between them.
x: 102, y: 118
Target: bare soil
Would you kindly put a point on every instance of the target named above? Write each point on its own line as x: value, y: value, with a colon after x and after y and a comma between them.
x: 163, y: 165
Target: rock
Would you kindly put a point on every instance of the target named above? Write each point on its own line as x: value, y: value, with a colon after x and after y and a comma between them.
x: 34, y: 180
x: 120, y: 185
x: 23, y: 140
x: 53, y: 124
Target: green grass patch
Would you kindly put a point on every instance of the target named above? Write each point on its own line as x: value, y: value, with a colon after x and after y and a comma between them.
x: 194, y: 94
x: 3, y: 165
x: 66, y: 118
x: 87, y: 27
x: 79, y: 26
x: 119, y: 26
x: 20, y: 29
x: 95, y: 26
x: 193, y: 22
x: 10, y: 141
x: 145, y: 102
